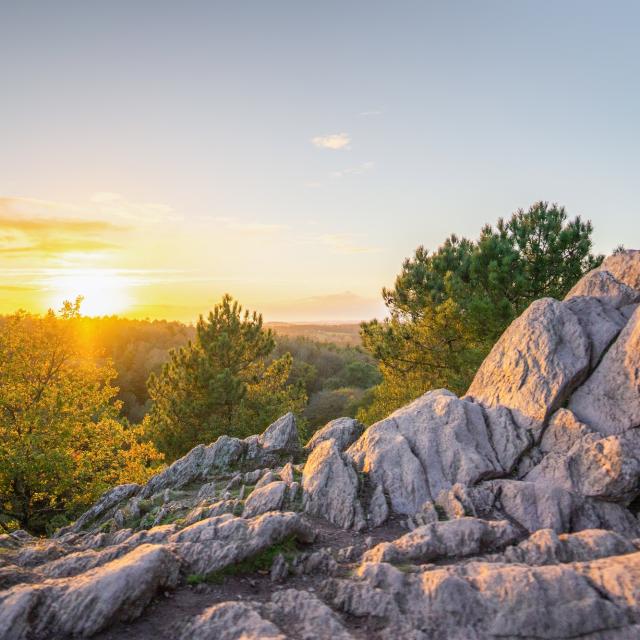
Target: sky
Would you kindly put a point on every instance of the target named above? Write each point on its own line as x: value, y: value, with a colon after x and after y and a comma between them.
x: 155, y: 155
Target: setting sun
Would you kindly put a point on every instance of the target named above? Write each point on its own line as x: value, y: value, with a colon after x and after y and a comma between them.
x: 105, y: 292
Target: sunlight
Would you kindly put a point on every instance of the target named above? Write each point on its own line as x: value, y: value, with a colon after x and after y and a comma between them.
x: 105, y: 292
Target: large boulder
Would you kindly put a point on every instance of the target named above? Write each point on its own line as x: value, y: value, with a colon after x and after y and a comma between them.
x: 609, y: 401
x: 344, y: 431
x: 607, y: 468
x: 433, y: 443
x: 535, y: 365
x: 604, y: 286
x: 69, y: 607
x: 215, y: 543
x: 449, y: 539
x: 625, y: 267
x: 532, y: 506
x: 484, y: 601
x: 331, y: 486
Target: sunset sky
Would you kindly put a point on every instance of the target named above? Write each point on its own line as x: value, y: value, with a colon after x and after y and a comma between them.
x: 154, y: 155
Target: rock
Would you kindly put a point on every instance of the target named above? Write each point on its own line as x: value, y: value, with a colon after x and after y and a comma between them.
x: 602, y: 285
x: 308, y: 618
x: 378, y: 510
x: 480, y: 600
x: 601, y: 324
x: 547, y: 547
x: 117, y: 591
x: 533, y: 506
x: 451, y: 539
x: 344, y: 431
x: 266, y: 479
x: 598, y: 467
x: 281, y: 436
x: 286, y: 473
x: 625, y: 267
x: 268, y: 498
x: 211, y: 510
x: 107, y: 502
x: 231, y: 621
x: 433, y: 443
x: 609, y: 401
x: 279, y: 569
x: 535, y: 365
x: 330, y: 487
x: 210, y: 545
x: 197, y: 465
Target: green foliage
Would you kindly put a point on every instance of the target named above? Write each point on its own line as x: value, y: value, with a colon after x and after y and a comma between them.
x: 448, y: 308
x: 221, y: 383
x: 61, y: 444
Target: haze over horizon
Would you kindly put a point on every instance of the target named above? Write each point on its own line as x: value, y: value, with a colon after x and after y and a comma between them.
x: 155, y: 155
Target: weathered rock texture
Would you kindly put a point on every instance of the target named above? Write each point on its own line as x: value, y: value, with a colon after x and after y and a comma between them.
x: 520, y: 498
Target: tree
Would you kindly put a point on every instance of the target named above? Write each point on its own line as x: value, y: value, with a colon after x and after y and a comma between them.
x: 448, y: 307
x: 61, y: 444
x: 221, y: 383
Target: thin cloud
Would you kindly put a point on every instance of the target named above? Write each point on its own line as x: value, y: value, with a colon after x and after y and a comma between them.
x: 333, y: 141
x: 345, y: 243
x: 370, y: 113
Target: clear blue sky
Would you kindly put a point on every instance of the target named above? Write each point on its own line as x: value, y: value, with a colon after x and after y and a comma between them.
x: 293, y: 153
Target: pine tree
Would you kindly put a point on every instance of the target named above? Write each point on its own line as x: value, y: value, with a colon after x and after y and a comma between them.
x: 221, y: 383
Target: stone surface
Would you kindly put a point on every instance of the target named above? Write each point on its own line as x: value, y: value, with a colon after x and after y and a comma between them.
x: 545, y: 546
x: 433, y: 443
x: 331, y: 487
x: 625, y: 267
x: 210, y: 545
x: 268, y: 498
x: 344, y: 431
x: 609, y: 401
x: 480, y: 600
x: 536, y: 364
x: 532, y: 506
x: 604, y: 286
x: 80, y: 607
x: 594, y: 466
x: 450, y: 539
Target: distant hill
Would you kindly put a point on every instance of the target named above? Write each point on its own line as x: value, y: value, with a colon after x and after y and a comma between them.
x: 340, y: 334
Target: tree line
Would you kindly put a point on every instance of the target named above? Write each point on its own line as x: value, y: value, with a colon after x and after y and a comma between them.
x: 87, y: 403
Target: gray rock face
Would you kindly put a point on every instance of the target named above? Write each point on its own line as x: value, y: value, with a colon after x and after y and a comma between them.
x: 609, y: 401
x: 210, y: 545
x: 344, y: 431
x: 282, y: 435
x: 450, y: 539
x: 330, y: 487
x: 625, y: 267
x: 482, y: 600
x: 547, y: 547
x: 603, y: 285
x: 107, y: 502
x: 268, y: 498
x: 594, y: 466
x: 532, y: 506
x: 300, y: 613
x: 433, y: 443
x: 536, y: 364
x: 65, y: 607
x: 231, y: 621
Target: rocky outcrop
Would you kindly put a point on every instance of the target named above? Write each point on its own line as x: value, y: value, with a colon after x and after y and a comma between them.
x: 609, y: 401
x: 450, y: 539
x: 535, y: 365
x: 435, y: 442
x: 330, y: 487
x: 521, y: 501
x: 343, y: 431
